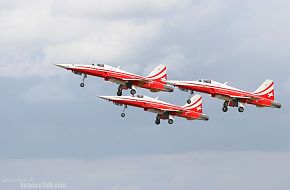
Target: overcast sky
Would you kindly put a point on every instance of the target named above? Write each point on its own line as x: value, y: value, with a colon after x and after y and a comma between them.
x: 49, y: 124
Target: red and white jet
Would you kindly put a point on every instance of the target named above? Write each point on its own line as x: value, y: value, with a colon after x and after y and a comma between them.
x: 155, y: 81
x: 262, y: 97
x: 163, y: 109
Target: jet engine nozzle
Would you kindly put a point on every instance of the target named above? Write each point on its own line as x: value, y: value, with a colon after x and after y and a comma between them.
x: 204, y: 117
x: 275, y: 104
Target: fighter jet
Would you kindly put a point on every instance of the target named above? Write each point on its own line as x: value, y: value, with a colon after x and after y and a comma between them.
x: 164, y: 110
x: 155, y: 81
x: 262, y: 97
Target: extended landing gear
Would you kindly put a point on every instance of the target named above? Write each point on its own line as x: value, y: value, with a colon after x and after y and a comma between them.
x: 83, y: 81
x: 233, y: 104
x: 157, y: 121
x: 241, y: 109
x: 119, y: 93
x: 123, y: 113
x: 225, y: 109
x: 133, y: 92
x: 164, y: 116
x: 190, y: 96
x: 120, y: 88
x: 225, y: 106
x: 170, y: 121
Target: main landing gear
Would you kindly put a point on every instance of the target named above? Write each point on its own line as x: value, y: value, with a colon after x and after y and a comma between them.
x: 119, y: 93
x: 225, y: 106
x: 170, y: 121
x: 233, y: 104
x: 162, y: 116
x: 190, y: 96
x: 121, y: 88
x: 83, y: 81
x: 133, y: 91
x: 241, y: 109
x: 157, y: 120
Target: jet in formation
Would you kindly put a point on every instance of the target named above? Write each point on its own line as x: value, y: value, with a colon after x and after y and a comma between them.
x: 155, y: 81
x: 233, y: 97
x: 164, y: 110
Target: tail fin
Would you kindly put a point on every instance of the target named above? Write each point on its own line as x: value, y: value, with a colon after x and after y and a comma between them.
x: 159, y: 73
x: 266, y: 90
x: 195, y: 105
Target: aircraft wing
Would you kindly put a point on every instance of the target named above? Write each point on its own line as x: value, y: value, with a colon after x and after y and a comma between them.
x: 171, y: 110
x: 243, y: 97
x: 141, y: 80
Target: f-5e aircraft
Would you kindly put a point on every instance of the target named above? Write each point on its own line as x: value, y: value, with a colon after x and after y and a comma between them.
x: 262, y: 97
x: 163, y: 109
x: 155, y: 81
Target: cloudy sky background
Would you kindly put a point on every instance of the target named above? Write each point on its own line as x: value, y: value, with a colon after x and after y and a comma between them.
x: 54, y: 131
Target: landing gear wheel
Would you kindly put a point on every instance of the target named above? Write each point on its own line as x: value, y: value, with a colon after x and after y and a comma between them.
x: 241, y: 109
x: 82, y: 84
x: 157, y: 121
x: 225, y: 109
x: 170, y: 121
x: 188, y: 101
x: 123, y: 114
x: 133, y: 92
x: 119, y: 93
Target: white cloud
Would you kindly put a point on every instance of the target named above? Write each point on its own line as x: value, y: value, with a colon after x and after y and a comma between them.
x: 105, y: 41
x: 34, y: 33
x: 173, y: 58
x: 113, y: 8
x: 32, y: 36
x: 198, y: 170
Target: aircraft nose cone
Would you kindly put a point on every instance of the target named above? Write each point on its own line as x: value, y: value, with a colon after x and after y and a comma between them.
x: 65, y: 66
x: 105, y: 97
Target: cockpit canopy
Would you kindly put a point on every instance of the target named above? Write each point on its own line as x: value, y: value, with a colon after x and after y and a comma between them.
x: 205, y: 80
x: 101, y: 65
x: 140, y: 96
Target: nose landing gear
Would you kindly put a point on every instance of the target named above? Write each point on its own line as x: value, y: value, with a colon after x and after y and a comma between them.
x: 190, y: 96
x: 123, y: 113
x: 83, y: 81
